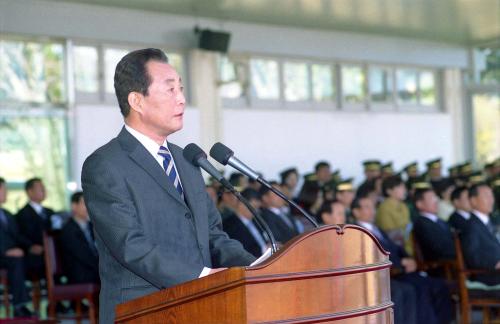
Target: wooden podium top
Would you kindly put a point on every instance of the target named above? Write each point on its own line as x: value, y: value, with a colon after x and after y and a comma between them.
x: 331, y: 273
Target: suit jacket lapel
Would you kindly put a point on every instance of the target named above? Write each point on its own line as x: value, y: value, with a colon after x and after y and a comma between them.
x: 143, y: 159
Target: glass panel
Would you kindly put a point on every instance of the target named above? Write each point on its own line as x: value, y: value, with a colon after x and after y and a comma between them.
x: 86, y: 69
x: 381, y: 84
x: 322, y: 80
x: 232, y: 85
x: 41, y: 151
x: 32, y: 72
x: 296, y: 81
x: 407, y: 86
x: 486, y: 113
x: 111, y: 58
x: 265, y: 78
x: 427, y: 88
x: 353, y: 80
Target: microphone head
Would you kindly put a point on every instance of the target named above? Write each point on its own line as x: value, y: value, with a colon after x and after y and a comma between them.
x: 193, y: 153
x: 221, y: 153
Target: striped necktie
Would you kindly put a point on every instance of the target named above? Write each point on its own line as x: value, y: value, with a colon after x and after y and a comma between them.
x: 169, y: 167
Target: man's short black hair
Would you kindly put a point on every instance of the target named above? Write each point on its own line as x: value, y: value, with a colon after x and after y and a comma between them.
x: 2, y: 181
x: 250, y: 194
x: 76, y: 197
x: 31, y: 183
x: 391, y: 183
x: 321, y: 164
x: 474, y: 189
x: 457, y: 192
x: 131, y: 75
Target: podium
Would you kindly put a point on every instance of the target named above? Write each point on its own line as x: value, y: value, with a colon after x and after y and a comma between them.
x: 334, y: 274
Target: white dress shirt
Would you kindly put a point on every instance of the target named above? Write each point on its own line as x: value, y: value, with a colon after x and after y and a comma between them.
x: 430, y: 216
x: 463, y: 213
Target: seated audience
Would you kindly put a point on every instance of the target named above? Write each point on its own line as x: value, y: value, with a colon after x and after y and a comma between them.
x: 445, y: 207
x: 289, y: 181
x: 433, y: 234
x: 393, y: 216
x: 480, y: 244
x: 433, y: 300
x: 283, y: 225
x: 12, y: 257
x: 33, y: 219
x: 460, y: 200
x: 242, y: 227
x: 344, y: 193
x: 77, y: 244
x: 332, y: 212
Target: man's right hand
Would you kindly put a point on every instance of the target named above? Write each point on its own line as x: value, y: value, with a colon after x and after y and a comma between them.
x: 36, y: 249
x: 14, y: 253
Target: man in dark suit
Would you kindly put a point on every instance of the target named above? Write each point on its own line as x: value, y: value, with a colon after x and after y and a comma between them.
x: 154, y: 223
x: 76, y: 239
x: 480, y: 245
x: 460, y: 200
x: 12, y: 256
x: 282, y: 224
x: 242, y: 227
x: 33, y: 219
x: 433, y: 234
x: 433, y: 302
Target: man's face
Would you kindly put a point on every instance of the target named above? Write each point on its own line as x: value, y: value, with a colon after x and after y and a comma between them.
x: 3, y: 193
x: 366, y: 211
x: 270, y: 199
x: 291, y: 180
x: 345, y: 197
x: 398, y: 192
x: 337, y: 216
x: 484, y: 201
x: 163, y: 106
x: 324, y: 174
x: 37, y: 192
x: 372, y: 174
x: 462, y: 202
x: 80, y: 210
x: 428, y: 203
x: 435, y: 173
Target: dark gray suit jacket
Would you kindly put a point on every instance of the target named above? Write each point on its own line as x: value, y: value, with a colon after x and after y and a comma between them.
x: 147, y: 236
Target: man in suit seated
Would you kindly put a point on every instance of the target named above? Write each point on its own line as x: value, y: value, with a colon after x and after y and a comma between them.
x: 283, y: 225
x: 12, y: 256
x: 33, y: 219
x: 433, y: 301
x: 460, y: 200
x: 242, y: 227
x: 332, y: 212
x: 433, y: 234
x: 480, y: 245
x: 77, y: 244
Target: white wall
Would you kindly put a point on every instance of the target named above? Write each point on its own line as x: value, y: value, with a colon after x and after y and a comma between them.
x: 95, y: 125
x: 273, y: 140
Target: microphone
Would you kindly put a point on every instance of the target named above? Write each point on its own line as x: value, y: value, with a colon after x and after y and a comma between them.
x: 224, y: 155
x: 195, y: 155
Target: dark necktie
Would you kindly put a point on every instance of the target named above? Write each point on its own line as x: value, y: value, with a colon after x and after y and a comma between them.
x: 169, y: 167
x: 89, y: 236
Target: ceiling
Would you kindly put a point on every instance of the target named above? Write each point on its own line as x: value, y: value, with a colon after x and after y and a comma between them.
x: 464, y: 22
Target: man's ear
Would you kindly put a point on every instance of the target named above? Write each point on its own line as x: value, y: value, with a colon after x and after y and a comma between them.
x: 135, y: 100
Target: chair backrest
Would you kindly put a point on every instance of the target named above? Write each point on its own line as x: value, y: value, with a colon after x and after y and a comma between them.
x: 52, y: 260
x: 461, y: 270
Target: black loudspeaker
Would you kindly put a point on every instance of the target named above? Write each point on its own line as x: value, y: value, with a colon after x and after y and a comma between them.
x: 214, y: 40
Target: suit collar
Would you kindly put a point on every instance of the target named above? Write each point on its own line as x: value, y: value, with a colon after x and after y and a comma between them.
x: 482, y: 217
x: 139, y: 154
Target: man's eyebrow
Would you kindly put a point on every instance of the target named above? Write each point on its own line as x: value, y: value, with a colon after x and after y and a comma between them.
x: 173, y: 80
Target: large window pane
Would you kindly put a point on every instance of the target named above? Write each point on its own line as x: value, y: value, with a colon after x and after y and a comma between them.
x: 111, y: 58
x: 427, y: 88
x: 177, y: 61
x: 265, y: 78
x: 41, y: 151
x: 296, y: 81
x: 86, y: 69
x: 322, y: 82
x: 353, y: 80
x: 380, y: 84
x: 231, y: 85
x: 32, y: 72
x: 407, y: 86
